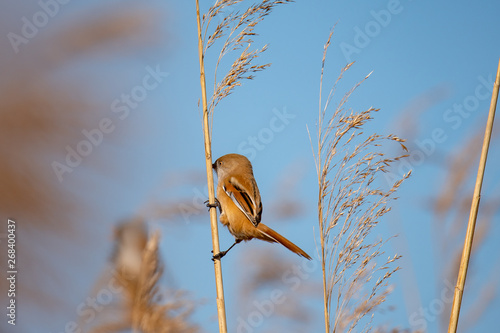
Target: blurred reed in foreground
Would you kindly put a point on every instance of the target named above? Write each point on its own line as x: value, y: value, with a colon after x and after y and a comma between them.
x: 44, y: 107
x: 141, y: 304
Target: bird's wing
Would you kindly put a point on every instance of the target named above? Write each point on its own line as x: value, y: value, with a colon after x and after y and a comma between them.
x: 243, y: 195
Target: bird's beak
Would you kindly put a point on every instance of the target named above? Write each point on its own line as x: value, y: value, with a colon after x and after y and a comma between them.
x: 214, y: 166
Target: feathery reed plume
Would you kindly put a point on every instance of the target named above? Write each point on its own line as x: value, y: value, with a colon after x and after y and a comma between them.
x: 349, y: 163
x: 141, y: 304
x: 238, y: 28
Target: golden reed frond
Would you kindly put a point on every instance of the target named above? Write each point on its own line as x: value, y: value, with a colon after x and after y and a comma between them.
x: 352, y: 199
x: 238, y: 29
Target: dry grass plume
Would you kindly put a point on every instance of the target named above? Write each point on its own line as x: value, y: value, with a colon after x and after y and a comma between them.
x: 236, y: 29
x: 350, y: 205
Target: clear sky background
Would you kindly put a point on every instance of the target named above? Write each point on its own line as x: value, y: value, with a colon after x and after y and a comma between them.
x: 429, y: 60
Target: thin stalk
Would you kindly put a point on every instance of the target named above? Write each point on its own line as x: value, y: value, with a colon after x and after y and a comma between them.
x: 464, y: 262
x: 321, y: 182
x: 323, y: 254
x: 221, y: 307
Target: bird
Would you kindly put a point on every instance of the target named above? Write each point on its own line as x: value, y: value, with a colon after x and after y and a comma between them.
x: 240, y: 206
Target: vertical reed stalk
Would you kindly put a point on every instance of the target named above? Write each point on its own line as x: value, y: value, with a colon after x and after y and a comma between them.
x: 221, y: 308
x: 464, y: 262
x: 321, y: 194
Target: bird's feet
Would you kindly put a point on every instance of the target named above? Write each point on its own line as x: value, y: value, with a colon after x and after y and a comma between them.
x: 223, y: 253
x: 219, y: 255
x: 210, y: 205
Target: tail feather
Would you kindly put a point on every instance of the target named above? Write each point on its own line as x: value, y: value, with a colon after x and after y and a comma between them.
x: 270, y: 235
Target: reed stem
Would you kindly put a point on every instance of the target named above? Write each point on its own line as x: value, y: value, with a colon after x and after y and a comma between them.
x: 464, y: 262
x: 221, y: 308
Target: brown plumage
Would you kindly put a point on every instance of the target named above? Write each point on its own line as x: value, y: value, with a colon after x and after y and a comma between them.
x: 240, y: 204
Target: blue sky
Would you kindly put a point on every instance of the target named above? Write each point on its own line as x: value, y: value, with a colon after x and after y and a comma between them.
x: 429, y: 59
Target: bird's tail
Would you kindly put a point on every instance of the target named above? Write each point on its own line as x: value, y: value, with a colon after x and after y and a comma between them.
x: 270, y: 235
